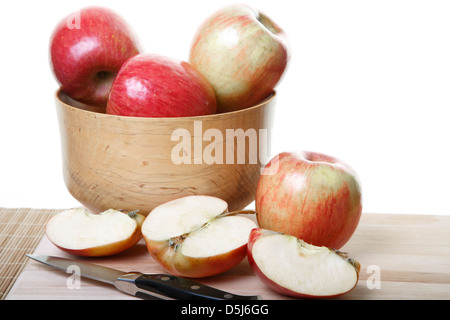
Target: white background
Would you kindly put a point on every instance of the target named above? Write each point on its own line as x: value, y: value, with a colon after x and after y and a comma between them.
x: 369, y: 82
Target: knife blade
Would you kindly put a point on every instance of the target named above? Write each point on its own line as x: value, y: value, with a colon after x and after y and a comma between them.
x: 144, y: 286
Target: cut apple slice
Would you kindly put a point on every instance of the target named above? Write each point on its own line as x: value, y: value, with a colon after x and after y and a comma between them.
x: 293, y: 267
x: 195, y: 236
x: 80, y: 232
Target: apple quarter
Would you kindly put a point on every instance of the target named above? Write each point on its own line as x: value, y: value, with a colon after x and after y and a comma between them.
x: 196, y: 236
x: 81, y: 232
x: 293, y: 267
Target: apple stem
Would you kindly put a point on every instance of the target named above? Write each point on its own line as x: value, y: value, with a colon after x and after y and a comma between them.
x: 244, y: 212
x: 132, y: 214
x: 269, y: 24
x: 355, y: 264
x: 175, y: 241
x: 234, y: 213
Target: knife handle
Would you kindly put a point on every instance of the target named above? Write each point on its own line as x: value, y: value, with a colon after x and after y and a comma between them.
x: 146, y: 296
x: 126, y: 283
x: 184, y: 289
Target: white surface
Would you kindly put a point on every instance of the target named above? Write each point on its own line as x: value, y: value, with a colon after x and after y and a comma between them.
x: 369, y: 82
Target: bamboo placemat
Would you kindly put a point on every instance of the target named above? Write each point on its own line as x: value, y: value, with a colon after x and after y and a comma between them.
x: 21, y: 230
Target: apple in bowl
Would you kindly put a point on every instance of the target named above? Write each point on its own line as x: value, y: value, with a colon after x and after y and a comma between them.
x: 242, y: 53
x: 309, y: 195
x: 80, y: 232
x: 153, y: 85
x: 87, y: 49
x: 292, y: 267
x: 196, y: 236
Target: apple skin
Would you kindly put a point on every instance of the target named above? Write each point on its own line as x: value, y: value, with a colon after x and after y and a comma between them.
x: 152, y: 85
x: 173, y: 261
x: 110, y: 248
x: 311, y: 196
x: 85, y: 59
x: 257, y: 233
x: 241, y: 58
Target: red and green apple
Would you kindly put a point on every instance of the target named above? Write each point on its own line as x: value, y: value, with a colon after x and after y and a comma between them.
x: 242, y: 53
x: 309, y: 195
x: 85, y: 56
x: 153, y: 85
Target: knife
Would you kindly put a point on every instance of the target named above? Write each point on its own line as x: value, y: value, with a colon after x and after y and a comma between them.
x: 144, y: 286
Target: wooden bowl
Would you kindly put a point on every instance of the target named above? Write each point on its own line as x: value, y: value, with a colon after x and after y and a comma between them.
x: 115, y: 162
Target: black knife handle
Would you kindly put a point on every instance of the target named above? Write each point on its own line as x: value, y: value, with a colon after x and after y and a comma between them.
x: 146, y: 296
x: 184, y: 289
x: 126, y: 283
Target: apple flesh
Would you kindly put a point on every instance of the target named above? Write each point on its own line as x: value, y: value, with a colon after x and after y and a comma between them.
x: 152, y: 85
x: 80, y: 232
x: 242, y: 53
x: 311, y: 196
x: 87, y: 49
x: 295, y: 268
x: 196, y: 236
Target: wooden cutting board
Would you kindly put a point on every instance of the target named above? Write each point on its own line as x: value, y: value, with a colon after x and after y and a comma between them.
x: 401, y: 256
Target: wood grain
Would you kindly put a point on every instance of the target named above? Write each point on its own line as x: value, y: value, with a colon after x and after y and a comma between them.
x: 411, y: 253
x: 126, y: 162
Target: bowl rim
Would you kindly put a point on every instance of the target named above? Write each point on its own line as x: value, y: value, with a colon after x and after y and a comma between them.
x: 214, y: 116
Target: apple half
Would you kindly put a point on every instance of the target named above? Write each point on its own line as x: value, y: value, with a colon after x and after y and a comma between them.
x: 80, y: 232
x: 196, y: 236
x: 292, y: 267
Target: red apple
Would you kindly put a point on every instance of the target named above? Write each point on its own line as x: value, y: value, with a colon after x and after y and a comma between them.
x: 292, y: 267
x: 311, y: 196
x: 152, y: 85
x: 242, y: 53
x: 87, y: 49
x: 80, y: 232
x: 196, y: 236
